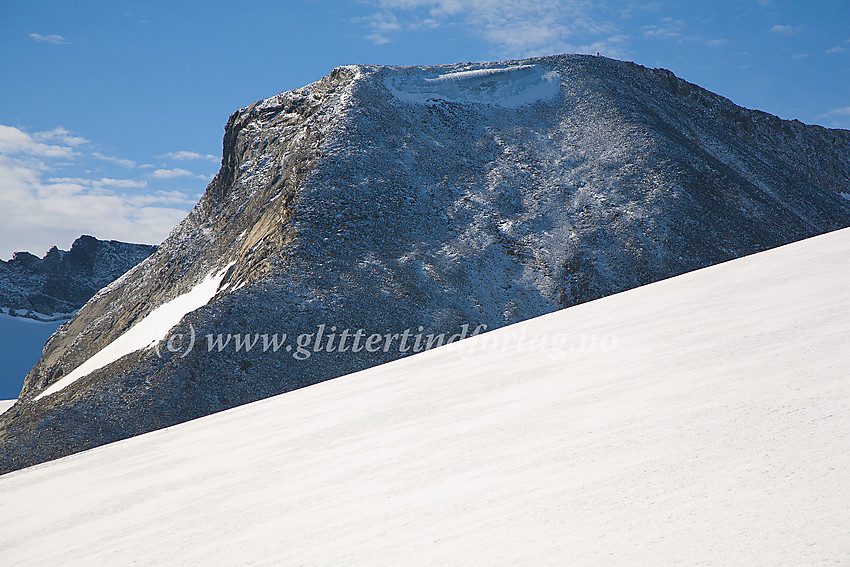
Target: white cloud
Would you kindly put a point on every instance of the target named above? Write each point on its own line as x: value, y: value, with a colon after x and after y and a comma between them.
x: 669, y: 28
x: 675, y: 30
x: 836, y: 117
x: 110, y: 159
x: 165, y: 198
x: 384, y: 22
x: 799, y: 56
x: 122, y: 183
x: 378, y: 39
x: 53, y: 39
x: 845, y: 111
x: 36, y: 213
x: 14, y: 141
x: 183, y: 155
x: 101, y: 183
x: 784, y: 30
x: 39, y: 209
x: 61, y: 136
x: 171, y: 173
x: 517, y: 28
x: 836, y: 49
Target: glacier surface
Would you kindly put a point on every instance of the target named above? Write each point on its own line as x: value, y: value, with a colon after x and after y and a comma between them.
x: 714, y: 433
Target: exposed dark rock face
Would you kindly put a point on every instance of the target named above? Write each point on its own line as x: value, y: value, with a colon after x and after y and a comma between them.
x: 62, y: 281
x: 386, y: 198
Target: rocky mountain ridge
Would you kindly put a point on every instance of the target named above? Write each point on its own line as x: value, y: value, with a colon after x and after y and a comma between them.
x: 430, y: 199
x: 55, y: 286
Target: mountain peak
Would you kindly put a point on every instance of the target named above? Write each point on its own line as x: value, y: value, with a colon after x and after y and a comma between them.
x: 427, y: 200
x: 59, y: 283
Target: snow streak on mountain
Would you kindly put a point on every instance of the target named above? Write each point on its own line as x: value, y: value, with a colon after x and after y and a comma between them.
x: 434, y: 200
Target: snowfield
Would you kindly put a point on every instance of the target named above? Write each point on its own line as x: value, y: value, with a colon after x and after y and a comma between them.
x: 714, y: 432
x: 510, y: 87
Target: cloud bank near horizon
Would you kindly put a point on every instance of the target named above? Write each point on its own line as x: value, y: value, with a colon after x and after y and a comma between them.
x: 54, y: 187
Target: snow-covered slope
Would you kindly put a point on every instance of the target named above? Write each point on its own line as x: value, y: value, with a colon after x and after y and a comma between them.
x: 710, y: 426
x: 388, y: 199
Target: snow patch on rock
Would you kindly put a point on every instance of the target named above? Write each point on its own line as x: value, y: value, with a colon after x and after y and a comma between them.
x: 510, y: 87
x: 6, y: 404
x: 147, y: 332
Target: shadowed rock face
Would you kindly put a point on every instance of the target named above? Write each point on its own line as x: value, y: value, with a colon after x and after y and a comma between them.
x: 63, y: 281
x: 389, y: 198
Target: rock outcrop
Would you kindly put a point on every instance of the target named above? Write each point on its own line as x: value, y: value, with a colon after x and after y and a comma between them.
x: 55, y: 286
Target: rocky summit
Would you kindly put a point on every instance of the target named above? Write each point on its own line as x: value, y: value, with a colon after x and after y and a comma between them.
x: 393, y: 205
x: 55, y: 286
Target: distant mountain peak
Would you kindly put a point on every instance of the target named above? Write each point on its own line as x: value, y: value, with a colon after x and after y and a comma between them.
x: 59, y: 283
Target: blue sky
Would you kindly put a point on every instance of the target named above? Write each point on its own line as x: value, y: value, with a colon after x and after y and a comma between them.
x: 112, y: 112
